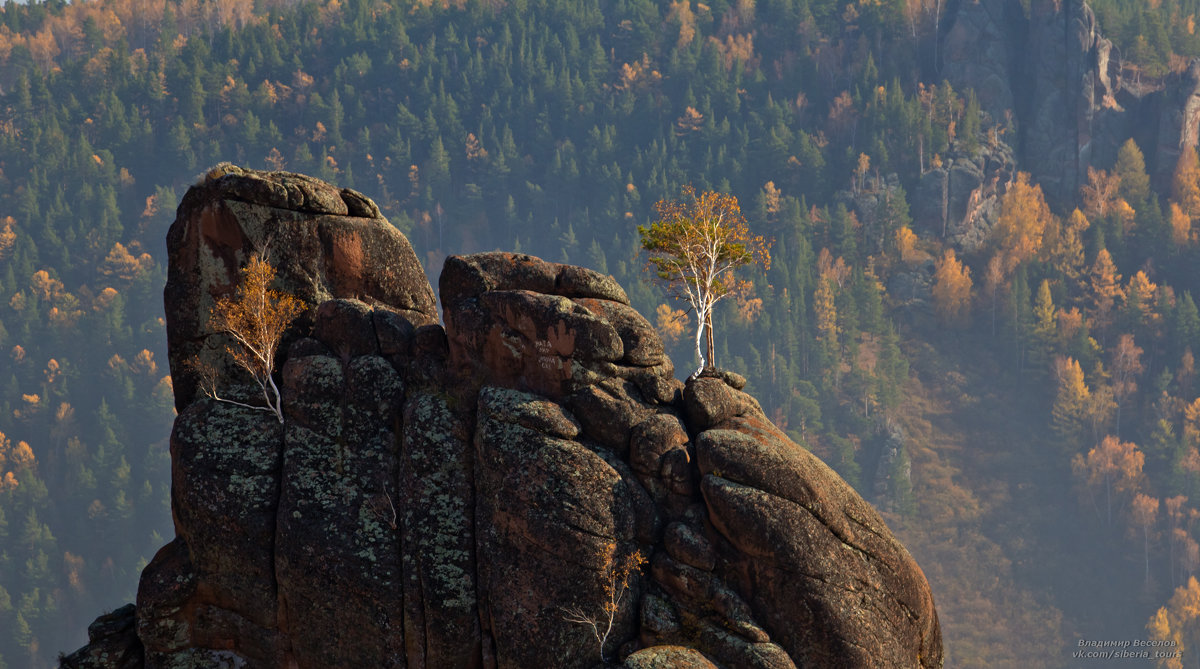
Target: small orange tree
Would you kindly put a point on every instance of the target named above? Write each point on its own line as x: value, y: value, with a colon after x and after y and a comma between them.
x: 617, y: 574
x: 255, y: 319
x: 695, y: 246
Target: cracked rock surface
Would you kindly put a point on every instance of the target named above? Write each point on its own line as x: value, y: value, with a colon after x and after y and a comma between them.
x: 460, y: 495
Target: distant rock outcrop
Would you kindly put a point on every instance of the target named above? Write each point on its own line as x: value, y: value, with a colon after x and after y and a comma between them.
x: 1058, y: 80
x: 443, y: 496
x: 1064, y: 88
x: 960, y: 200
x: 1178, y: 116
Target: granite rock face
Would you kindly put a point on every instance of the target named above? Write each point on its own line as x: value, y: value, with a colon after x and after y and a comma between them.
x: 324, y: 242
x: 472, y: 495
x: 960, y: 201
x: 1064, y: 95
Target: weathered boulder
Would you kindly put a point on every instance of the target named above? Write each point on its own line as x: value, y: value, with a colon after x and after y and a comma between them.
x: 324, y: 242
x: 668, y: 657
x: 556, y: 519
x: 529, y: 486
x: 334, y: 529
x: 764, y: 493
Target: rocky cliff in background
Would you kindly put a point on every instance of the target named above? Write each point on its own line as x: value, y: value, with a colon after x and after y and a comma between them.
x: 452, y: 496
x: 1053, y: 84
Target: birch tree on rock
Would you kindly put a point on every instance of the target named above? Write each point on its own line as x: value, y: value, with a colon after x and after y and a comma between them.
x: 695, y: 246
x: 255, y: 319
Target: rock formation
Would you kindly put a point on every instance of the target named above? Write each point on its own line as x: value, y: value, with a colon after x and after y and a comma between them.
x: 462, y: 495
x: 1054, y: 82
x: 960, y: 201
x: 1065, y: 87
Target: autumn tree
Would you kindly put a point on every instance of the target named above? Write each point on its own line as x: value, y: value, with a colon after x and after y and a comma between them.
x: 1100, y: 192
x: 1143, y: 517
x: 616, y: 572
x: 1065, y: 252
x: 1191, y: 424
x: 1185, y: 184
x: 825, y: 308
x: 1113, y: 466
x: 1069, y: 410
x: 906, y: 241
x: 7, y: 236
x: 1105, y: 287
x: 1177, y: 623
x: 1138, y: 310
x: 670, y: 323
x: 1024, y: 218
x: 695, y: 245
x: 1045, y: 326
x: 951, y: 289
x: 1126, y: 366
x: 1180, y: 224
x: 254, y: 319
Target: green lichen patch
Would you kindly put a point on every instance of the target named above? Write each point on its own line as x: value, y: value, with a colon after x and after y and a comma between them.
x: 528, y: 410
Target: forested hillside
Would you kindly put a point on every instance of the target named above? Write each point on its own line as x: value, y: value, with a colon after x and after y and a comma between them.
x: 1025, y: 408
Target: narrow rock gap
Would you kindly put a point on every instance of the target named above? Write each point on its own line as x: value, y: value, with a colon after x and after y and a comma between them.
x: 281, y: 621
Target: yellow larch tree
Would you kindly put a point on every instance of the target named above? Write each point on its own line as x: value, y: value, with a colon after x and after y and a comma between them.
x: 7, y: 236
x: 1181, y: 225
x: 1070, y: 402
x: 825, y: 308
x: 906, y: 241
x: 1024, y: 218
x: 1185, y: 184
x: 670, y: 323
x: 1066, y: 250
x: 951, y: 289
x: 1105, y: 287
x: 1191, y: 424
x: 1178, y: 624
x: 1140, y: 299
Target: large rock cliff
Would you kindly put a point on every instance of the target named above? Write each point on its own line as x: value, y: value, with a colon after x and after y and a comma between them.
x: 1054, y: 84
x: 471, y: 494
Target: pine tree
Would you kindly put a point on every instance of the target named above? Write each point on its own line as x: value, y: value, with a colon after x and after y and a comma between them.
x: 1044, y: 328
x: 1105, y: 287
x: 1131, y: 169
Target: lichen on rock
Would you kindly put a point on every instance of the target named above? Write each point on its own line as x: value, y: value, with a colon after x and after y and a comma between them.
x: 473, y: 494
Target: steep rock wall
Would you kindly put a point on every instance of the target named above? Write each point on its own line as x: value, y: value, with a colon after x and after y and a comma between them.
x: 459, y: 496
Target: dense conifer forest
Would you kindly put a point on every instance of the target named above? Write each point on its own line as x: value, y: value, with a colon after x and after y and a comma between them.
x: 1029, y: 421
